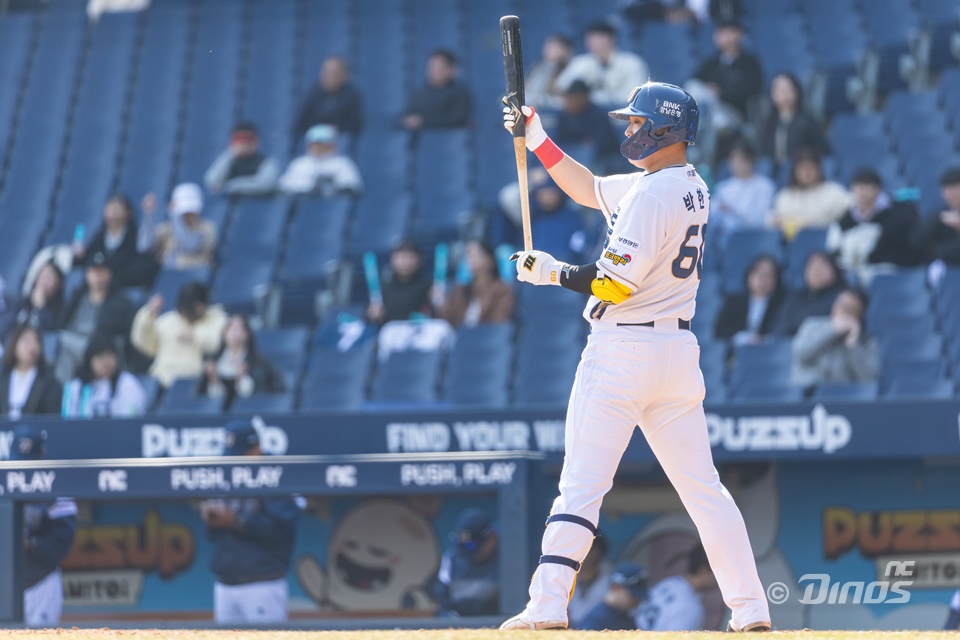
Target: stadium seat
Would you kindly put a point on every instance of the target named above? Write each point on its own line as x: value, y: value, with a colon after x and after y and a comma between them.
x: 743, y: 247
x: 905, y: 388
x: 847, y: 391
x: 275, y: 404
x: 190, y: 406
x: 768, y: 393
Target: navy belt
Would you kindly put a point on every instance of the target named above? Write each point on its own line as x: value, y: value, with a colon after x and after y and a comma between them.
x: 682, y: 324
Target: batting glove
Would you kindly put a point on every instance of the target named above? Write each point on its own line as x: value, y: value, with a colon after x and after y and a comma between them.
x: 538, y: 267
x: 536, y: 136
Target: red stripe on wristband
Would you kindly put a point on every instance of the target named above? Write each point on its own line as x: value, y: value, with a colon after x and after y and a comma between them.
x: 549, y: 153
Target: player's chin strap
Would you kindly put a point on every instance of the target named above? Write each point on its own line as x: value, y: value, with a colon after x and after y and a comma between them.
x: 567, y: 517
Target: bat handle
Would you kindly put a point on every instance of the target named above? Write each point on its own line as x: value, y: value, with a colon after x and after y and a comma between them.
x: 520, y: 151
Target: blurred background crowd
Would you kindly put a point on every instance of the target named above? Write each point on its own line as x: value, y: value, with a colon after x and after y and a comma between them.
x: 288, y: 206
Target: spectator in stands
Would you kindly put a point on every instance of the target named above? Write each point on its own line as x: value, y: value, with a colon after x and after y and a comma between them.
x: 593, y: 583
x: 747, y: 317
x: 808, y: 200
x: 468, y: 583
x: 540, y: 83
x: 674, y: 603
x: 627, y: 589
x: 242, y: 169
x: 186, y: 241
x: 117, y: 240
x: 238, y: 370
x: 582, y: 123
x: 733, y: 75
x: 679, y: 11
x: 26, y: 387
x: 744, y: 199
x: 49, y: 528
x: 789, y: 127
x: 405, y: 286
x: 823, y: 281
x: 836, y: 348
x: 486, y: 299
x: 322, y: 170
x: 103, y: 388
x: 253, y: 541
x: 332, y: 100
x: 42, y: 308
x: 556, y: 224
x: 611, y: 74
x: 875, y: 230
x: 178, y: 340
x: 938, y: 235
x: 444, y: 102
x: 96, y: 309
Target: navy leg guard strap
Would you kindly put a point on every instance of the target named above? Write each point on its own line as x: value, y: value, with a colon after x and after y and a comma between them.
x: 583, y: 522
x: 567, y: 562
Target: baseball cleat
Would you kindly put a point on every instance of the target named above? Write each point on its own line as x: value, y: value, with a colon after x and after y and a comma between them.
x: 752, y: 627
x: 520, y: 622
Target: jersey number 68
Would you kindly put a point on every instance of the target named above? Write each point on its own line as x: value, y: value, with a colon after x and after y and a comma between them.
x: 694, y: 253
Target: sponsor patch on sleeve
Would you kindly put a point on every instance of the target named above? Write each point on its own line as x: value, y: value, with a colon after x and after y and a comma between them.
x: 617, y: 256
x: 624, y: 241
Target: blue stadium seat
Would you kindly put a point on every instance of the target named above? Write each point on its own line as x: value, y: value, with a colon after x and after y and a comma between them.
x: 804, y: 243
x: 283, y: 340
x: 743, y: 247
x: 905, y: 388
x: 847, y: 391
x: 170, y: 281
x: 773, y: 353
x: 275, y: 404
x: 910, y: 345
x: 919, y: 371
x: 760, y: 375
x: 553, y: 391
x: 480, y: 391
x: 921, y: 324
x: 335, y: 395
x: 751, y: 392
x: 151, y: 390
x: 190, y: 406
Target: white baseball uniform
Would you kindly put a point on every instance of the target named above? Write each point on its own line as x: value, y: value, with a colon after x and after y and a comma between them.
x: 671, y: 605
x: 43, y: 602
x: 253, y: 603
x: 646, y: 376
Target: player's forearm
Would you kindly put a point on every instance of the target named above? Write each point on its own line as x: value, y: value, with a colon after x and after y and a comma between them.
x: 578, y: 278
x: 575, y: 180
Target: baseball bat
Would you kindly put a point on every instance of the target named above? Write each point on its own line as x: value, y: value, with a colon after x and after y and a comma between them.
x: 513, y: 76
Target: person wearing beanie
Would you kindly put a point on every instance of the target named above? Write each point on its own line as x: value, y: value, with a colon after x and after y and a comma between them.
x: 186, y: 240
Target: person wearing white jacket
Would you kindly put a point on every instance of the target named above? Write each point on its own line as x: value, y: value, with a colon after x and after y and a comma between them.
x: 322, y: 169
x: 611, y: 74
x: 103, y: 389
x: 179, y: 340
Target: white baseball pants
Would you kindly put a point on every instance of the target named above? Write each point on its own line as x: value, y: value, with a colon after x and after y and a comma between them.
x: 43, y: 602
x: 646, y: 376
x: 254, y: 603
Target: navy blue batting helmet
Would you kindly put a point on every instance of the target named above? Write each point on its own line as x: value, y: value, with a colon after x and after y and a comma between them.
x: 672, y: 116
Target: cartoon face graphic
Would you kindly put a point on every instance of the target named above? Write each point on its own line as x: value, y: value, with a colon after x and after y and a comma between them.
x: 381, y: 554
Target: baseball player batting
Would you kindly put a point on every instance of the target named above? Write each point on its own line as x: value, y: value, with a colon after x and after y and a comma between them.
x: 641, y: 365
